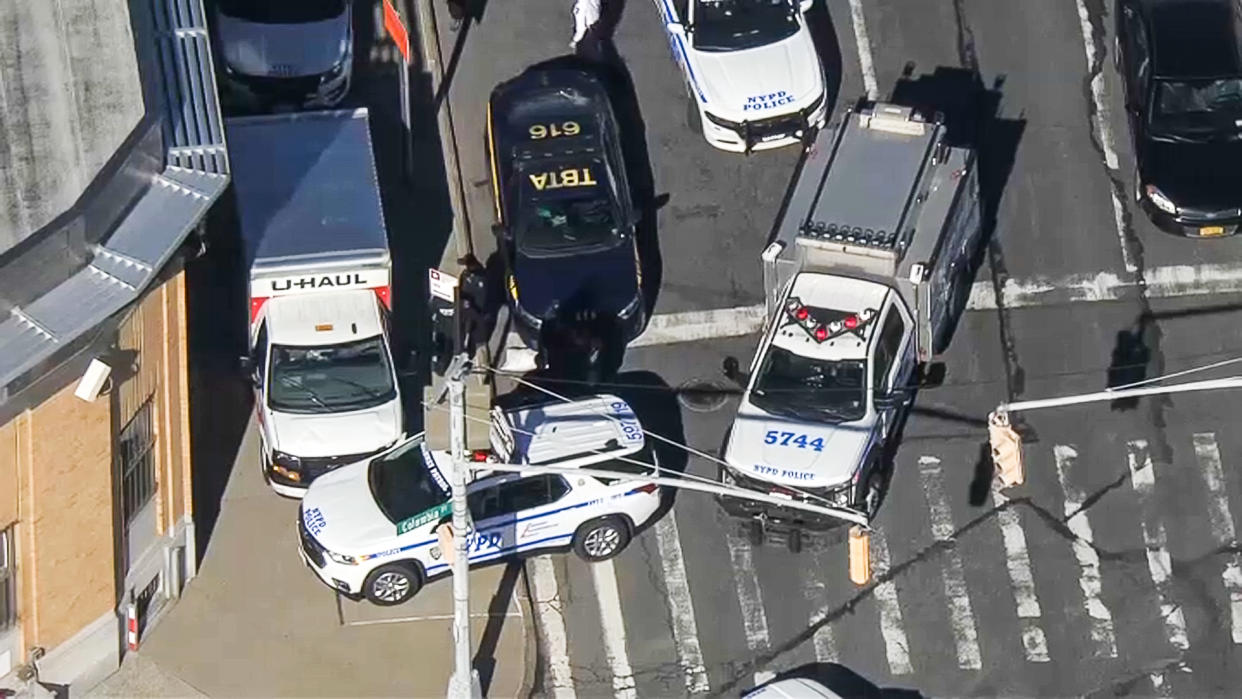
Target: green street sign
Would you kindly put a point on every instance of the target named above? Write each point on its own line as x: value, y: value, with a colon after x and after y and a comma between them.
x: 418, y: 520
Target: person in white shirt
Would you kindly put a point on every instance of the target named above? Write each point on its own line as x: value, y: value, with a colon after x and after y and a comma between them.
x: 586, y: 15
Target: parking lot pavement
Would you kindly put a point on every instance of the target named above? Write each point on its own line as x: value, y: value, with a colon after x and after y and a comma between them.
x: 256, y: 622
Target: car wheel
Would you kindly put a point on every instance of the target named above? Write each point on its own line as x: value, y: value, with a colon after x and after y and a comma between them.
x: 601, y: 539
x: 693, y: 118
x: 873, y: 491
x: 390, y: 584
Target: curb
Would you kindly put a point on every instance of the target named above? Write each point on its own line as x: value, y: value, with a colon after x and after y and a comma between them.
x: 463, y: 243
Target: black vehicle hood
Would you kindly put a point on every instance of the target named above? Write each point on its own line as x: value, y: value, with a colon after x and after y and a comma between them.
x: 604, y: 281
x: 1206, y: 176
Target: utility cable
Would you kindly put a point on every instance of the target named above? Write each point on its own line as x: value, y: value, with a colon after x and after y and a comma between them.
x: 689, y: 449
x: 1174, y: 375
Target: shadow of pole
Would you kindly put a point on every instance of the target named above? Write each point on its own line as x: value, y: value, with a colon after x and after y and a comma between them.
x: 485, y: 658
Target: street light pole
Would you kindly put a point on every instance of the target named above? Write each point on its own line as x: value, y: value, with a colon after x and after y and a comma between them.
x: 464, y: 683
x: 1106, y: 395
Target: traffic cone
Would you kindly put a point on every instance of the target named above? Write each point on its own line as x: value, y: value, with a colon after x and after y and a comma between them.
x: 860, y: 555
x: 1006, y: 450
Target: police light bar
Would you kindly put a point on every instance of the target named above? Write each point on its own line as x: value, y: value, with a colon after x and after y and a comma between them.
x: 804, y: 317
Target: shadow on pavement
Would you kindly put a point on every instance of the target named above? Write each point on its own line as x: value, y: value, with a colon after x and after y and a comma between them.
x: 220, y: 399
x: 485, y: 658
x: 824, y: 34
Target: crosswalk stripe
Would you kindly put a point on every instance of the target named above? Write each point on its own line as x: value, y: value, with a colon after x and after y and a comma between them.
x: 681, y: 605
x: 1018, y: 563
x: 896, y: 645
x: 604, y: 577
x: 961, y: 617
x: 816, y: 593
x: 549, y: 614
x: 1208, y: 455
x: 1089, y: 579
x: 1143, y: 478
x: 754, y: 621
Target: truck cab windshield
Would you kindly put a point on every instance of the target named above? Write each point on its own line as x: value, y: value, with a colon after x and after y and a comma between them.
x: 332, y: 378
x: 565, y: 210
x: 811, y: 389
x: 402, y: 483
x: 733, y: 25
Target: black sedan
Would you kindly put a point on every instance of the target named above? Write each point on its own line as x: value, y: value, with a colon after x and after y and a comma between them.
x: 1181, y: 62
x: 565, y: 221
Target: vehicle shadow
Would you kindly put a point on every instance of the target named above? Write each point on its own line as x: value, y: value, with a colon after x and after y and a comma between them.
x: 824, y: 35
x: 971, y: 112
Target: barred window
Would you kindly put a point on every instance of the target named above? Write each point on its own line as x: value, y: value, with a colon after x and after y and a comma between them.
x: 8, y: 581
x: 137, y: 462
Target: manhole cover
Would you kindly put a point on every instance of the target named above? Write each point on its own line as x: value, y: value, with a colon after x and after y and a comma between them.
x: 702, y: 395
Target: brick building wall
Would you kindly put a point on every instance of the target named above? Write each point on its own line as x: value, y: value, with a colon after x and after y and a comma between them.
x: 61, y: 491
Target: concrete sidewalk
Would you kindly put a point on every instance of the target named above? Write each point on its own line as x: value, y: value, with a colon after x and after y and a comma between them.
x: 256, y: 622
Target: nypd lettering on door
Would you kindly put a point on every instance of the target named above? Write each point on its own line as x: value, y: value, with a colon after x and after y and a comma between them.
x: 762, y: 103
x: 305, y: 283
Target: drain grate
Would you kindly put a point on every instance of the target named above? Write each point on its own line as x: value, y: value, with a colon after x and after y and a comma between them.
x: 702, y: 395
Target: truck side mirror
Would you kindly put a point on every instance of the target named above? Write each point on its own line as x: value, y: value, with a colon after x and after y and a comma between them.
x: 733, y: 371
x: 887, y: 402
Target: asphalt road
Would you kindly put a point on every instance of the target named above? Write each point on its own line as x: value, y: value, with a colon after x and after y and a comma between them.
x: 1112, y: 571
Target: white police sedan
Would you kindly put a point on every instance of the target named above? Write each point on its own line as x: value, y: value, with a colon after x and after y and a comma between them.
x: 369, y: 529
x: 752, y: 72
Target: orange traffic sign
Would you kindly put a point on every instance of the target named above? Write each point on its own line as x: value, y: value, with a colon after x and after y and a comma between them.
x: 396, y: 29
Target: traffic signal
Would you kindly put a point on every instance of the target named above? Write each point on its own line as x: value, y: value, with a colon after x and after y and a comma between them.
x: 1006, y: 449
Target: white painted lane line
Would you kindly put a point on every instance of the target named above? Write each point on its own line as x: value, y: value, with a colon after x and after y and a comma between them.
x: 961, y: 617
x: 1172, y: 281
x: 604, y: 576
x: 549, y: 615
x: 1022, y: 580
x: 681, y: 605
x: 1089, y: 580
x: 816, y: 594
x: 865, y: 61
x: 667, y: 328
x: 1208, y: 455
x: 1103, y: 124
x: 896, y: 645
x: 754, y: 620
x: 1159, y: 563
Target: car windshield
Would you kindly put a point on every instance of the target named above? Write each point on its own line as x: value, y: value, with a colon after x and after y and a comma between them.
x: 811, y: 389
x: 406, y: 481
x: 732, y: 25
x: 565, y: 209
x: 331, y: 378
x: 1197, y: 107
x: 282, y: 11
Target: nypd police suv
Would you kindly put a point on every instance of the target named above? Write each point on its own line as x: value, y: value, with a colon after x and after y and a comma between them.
x: 752, y: 73
x: 369, y: 529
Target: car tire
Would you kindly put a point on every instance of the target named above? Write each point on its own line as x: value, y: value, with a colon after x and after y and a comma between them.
x: 694, y: 119
x: 391, y: 584
x: 874, y: 489
x: 601, y: 539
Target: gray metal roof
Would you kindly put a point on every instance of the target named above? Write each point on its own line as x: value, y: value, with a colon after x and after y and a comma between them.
x: 172, y: 49
x: 306, y: 185
x: 69, y: 95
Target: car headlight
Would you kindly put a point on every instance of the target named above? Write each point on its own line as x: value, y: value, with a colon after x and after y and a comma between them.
x: 287, y: 465
x: 342, y: 558
x: 1156, y: 197
x: 723, y: 123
